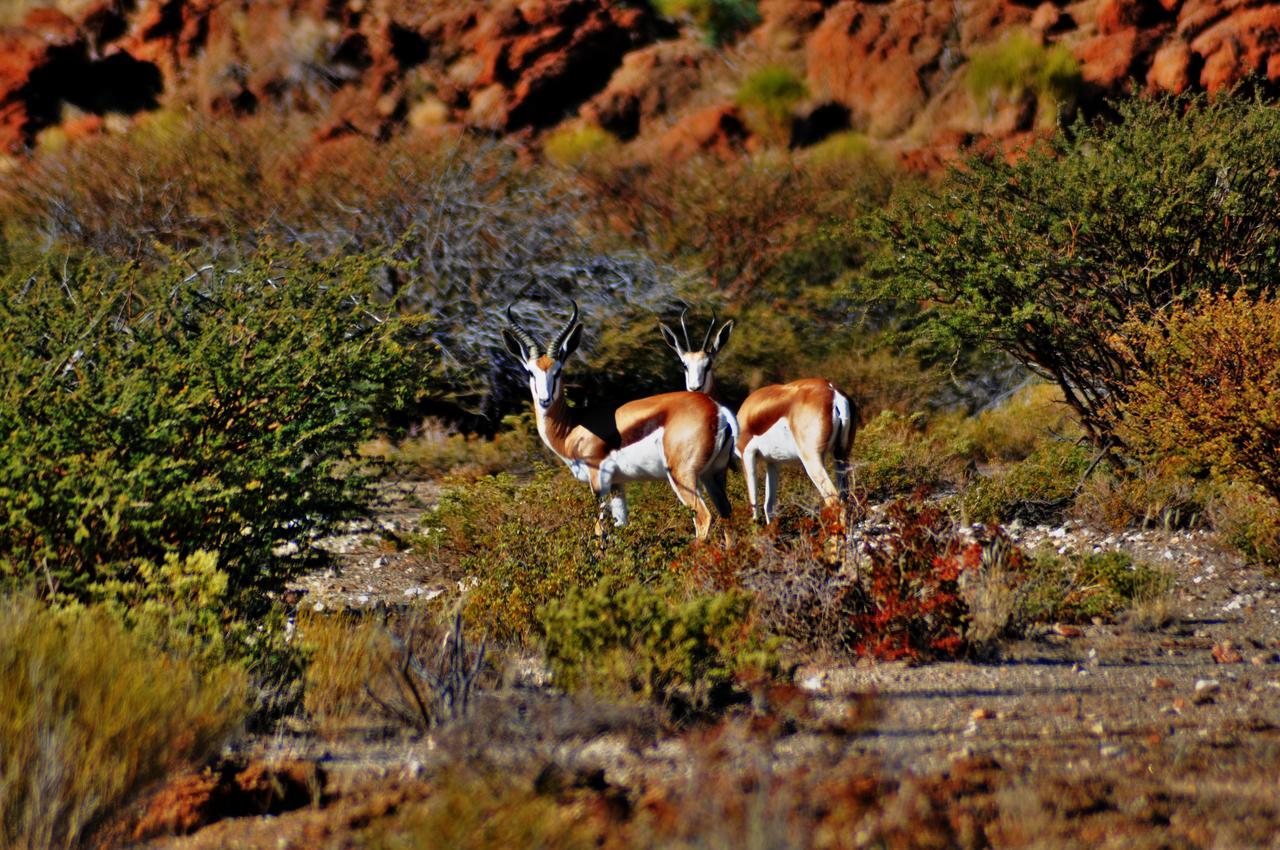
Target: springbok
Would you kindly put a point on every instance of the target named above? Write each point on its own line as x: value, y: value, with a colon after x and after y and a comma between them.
x: 800, y: 422
x: 685, y: 438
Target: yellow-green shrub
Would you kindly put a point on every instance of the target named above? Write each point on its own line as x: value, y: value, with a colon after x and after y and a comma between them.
x: 90, y: 713
x: 526, y: 543
x: 436, y: 450
x: 772, y: 93
x: 652, y: 643
x: 1248, y: 520
x: 897, y: 454
x: 575, y: 144
x: 1034, y: 489
x: 1015, y: 429
x: 1019, y: 64
x: 1080, y: 587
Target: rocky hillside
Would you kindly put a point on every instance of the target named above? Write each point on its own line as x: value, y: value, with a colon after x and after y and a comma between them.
x: 894, y: 71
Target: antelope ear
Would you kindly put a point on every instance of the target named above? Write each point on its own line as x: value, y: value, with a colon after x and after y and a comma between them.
x: 570, y: 344
x: 671, y: 338
x: 721, y: 337
x: 514, y: 346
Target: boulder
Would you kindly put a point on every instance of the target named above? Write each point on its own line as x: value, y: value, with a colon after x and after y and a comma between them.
x: 718, y: 130
x: 651, y: 82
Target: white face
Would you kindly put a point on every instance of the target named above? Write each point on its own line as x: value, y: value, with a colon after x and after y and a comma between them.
x: 697, y: 370
x: 544, y: 380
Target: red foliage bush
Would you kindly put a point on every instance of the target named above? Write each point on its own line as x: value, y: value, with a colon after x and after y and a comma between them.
x: 912, y: 580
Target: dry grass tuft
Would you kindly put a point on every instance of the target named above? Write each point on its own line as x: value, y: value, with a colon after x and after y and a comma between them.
x: 89, y: 714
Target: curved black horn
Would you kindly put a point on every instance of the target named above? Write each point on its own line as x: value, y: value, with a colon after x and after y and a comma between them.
x: 687, y: 346
x: 565, y: 331
x: 518, y: 331
x: 711, y: 327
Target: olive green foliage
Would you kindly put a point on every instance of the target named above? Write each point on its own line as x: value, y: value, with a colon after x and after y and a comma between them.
x: 649, y: 642
x: 1205, y: 385
x: 144, y: 414
x: 1078, y: 588
x: 719, y: 20
x: 90, y: 713
x: 1020, y: 64
x: 577, y: 144
x: 1033, y: 489
x: 528, y: 543
x: 1248, y: 520
x: 1044, y: 258
x: 774, y: 91
x: 896, y: 454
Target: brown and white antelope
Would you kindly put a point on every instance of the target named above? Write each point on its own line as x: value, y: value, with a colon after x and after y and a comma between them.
x: 685, y: 438
x: 781, y: 424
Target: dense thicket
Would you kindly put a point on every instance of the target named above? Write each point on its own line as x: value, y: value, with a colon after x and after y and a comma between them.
x: 1043, y: 258
x: 144, y: 412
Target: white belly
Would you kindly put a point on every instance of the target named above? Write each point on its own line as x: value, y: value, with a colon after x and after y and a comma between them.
x: 778, y: 444
x: 643, y: 460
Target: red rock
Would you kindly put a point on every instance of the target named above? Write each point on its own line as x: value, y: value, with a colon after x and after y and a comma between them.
x: 875, y: 59
x: 718, y: 129
x: 1246, y: 41
x: 1161, y: 683
x: 23, y: 52
x: 784, y: 22
x: 1109, y: 60
x: 1226, y: 653
x: 1171, y: 67
x: 1116, y: 15
x: 1046, y: 17
x: 650, y: 83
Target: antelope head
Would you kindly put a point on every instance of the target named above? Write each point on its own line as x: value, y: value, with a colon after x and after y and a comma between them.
x: 697, y: 362
x: 543, y: 365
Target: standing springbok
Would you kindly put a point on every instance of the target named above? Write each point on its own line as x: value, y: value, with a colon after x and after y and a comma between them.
x: 800, y: 422
x: 685, y: 438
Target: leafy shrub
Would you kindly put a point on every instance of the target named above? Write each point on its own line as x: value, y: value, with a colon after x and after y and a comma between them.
x: 1159, y: 492
x: 1248, y: 520
x: 576, y: 144
x: 647, y: 642
x: 1012, y: 431
x: 773, y: 91
x: 897, y: 454
x: 90, y: 714
x: 1079, y: 588
x: 525, y: 544
x: 1034, y: 489
x: 1045, y: 257
x: 912, y: 581
x: 719, y: 20
x: 1205, y: 385
x: 146, y: 414
x: 1019, y: 64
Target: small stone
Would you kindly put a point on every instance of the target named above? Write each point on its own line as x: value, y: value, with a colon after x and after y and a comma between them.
x: 1098, y: 729
x: 1258, y: 660
x: 1226, y: 653
x: 319, y: 606
x: 1110, y: 751
x: 1162, y: 684
x: 1207, y: 689
x: 1067, y: 631
x: 981, y: 714
x: 1179, y: 705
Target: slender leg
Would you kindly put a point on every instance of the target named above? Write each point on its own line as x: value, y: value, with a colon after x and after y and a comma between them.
x: 618, y: 506
x: 770, y: 491
x: 817, y: 472
x: 749, y: 458
x: 685, y: 485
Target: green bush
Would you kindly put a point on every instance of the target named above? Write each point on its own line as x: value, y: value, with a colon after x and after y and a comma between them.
x: 773, y: 91
x: 90, y: 713
x: 525, y: 544
x: 1044, y: 258
x: 575, y: 145
x: 650, y: 643
x: 1078, y: 588
x: 1019, y: 64
x: 897, y: 454
x: 719, y: 20
x: 1248, y: 520
x: 147, y: 414
x: 1034, y: 489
